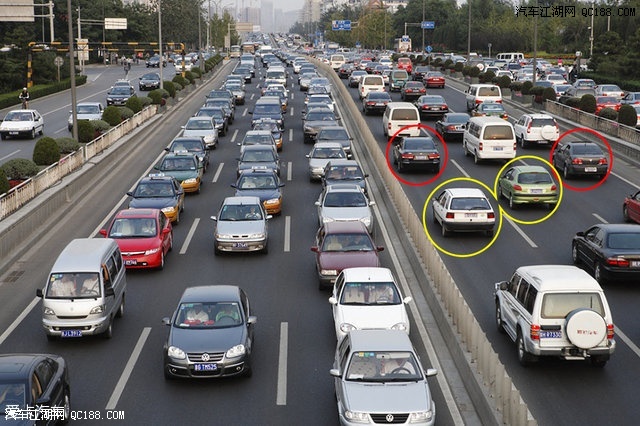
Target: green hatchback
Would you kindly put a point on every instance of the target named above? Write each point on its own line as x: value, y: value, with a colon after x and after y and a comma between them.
x: 397, y: 80
x: 185, y: 167
x: 528, y: 185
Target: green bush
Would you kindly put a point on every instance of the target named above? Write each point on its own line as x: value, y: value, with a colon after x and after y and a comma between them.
x: 465, y: 70
x: 170, y: 87
x: 573, y: 102
x: 473, y: 72
x: 112, y: 115
x: 526, y: 87
x: 515, y: 86
x: 134, y: 104
x: 178, y: 87
x: 46, y: 151
x: 190, y: 77
x: 126, y: 112
x: 4, y: 183
x: 86, y: 132
x: 100, y: 126
x: 627, y: 115
x: 39, y: 90
x: 196, y: 71
x: 180, y: 80
x: 504, y: 82
x: 549, y: 94
x: 536, y: 90
x: 608, y: 113
x: 157, y: 96
x: 146, y: 101
x: 459, y: 66
x: 588, y: 103
x: 487, y: 77
x: 447, y: 63
x: 67, y: 145
x: 20, y: 168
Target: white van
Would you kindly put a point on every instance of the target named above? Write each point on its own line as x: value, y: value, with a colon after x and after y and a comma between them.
x: 398, y: 115
x: 479, y: 93
x: 85, y: 290
x: 336, y: 61
x: 277, y: 73
x: 489, y: 138
x: 370, y: 83
x: 510, y: 57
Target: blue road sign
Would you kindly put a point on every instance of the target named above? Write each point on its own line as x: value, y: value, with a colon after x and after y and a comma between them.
x: 428, y: 25
x: 341, y: 25
x: 428, y: 49
x: 405, y: 38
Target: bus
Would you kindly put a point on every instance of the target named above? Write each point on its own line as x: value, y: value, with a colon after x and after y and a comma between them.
x: 234, y: 51
x: 248, y: 47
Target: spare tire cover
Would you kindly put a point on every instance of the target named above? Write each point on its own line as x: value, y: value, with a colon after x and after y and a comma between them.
x: 549, y: 132
x: 585, y: 328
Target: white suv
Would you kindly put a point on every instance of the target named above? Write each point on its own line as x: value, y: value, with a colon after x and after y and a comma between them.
x: 555, y: 310
x: 536, y: 129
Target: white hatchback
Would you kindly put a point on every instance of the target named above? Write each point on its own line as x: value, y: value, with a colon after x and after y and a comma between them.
x: 22, y: 122
x: 368, y: 298
x: 463, y: 209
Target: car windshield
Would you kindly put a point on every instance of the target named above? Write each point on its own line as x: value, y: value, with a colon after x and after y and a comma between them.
x: 119, y: 90
x: 83, y: 285
x: 489, y: 91
x: 610, y: 88
x: 432, y: 99
x: 434, y: 74
x: 323, y: 153
x: 150, y: 77
x: 347, y: 242
x: 378, y: 95
x: 558, y: 305
x: 456, y: 119
x: 257, y: 139
x: 216, y: 113
x: 368, y: 366
x: 370, y: 293
x: 146, y: 190
x: 266, y: 155
x: 540, y: 122
x: 138, y: 227
x: 586, y: 149
x: 234, y: 212
x: 345, y: 199
x: 606, y: 99
x: 267, y: 109
x: 208, y: 315
x: 178, y: 164
x: 257, y: 182
x: 12, y: 397
x: 199, y: 125
x: 624, y: 240
x: 344, y: 172
x: 18, y: 116
x: 534, y: 178
x: 495, y: 132
x: 187, y: 145
x: 320, y: 116
x: 470, y: 203
x: 419, y: 144
x: 88, y: 109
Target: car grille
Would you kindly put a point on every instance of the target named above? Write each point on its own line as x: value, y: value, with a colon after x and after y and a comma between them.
x: 390, y: 419
x: 213, y: 357
x: 132, y: 253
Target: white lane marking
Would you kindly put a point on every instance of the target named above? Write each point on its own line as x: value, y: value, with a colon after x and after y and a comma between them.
x: 292, y: 108
x: 218, y: 171
x: 281, y: 392
x: 192, y: 231
x: 289, y: 171
x: 626, y: 180
x: 628, y: 341
x: 293, y: 95
x: 600, y: 218
x: 234, y: 136
x: 61, y: 130
x: 10, y: 155
x: 18, y: 320
x: 287, y: 233
x: 290, y: 135
x: 244, y: 112
x: 126, y: 373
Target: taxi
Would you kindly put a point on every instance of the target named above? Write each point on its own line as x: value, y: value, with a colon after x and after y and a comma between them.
x: 158, y: 191
x: 185, y: 167
x: 264, y: 184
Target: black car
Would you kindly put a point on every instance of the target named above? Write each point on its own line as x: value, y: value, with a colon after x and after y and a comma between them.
x: 611, y: 251
x: 412, y: 90
x: 194, y: 145
x: 375, y: 102
x: 119, y: 95
x: 210, y: 335
x: 220, y: 118
x: 258, y: 157
x: 154, y: 61
x: 419, y: 72
x: 432, y: 105
x: 336, y: 134
x: 149, y: 81
x: 227, y: 105
x: 264, y: 184
x: 263, y: 111
x: 159, y: 192
x: 28, y: 381
x: 345, y: 70
x: 344, y: 171
x: 416, y: 152
x: 316, y: 119
x: 580, y: 158
x: 451, y: 126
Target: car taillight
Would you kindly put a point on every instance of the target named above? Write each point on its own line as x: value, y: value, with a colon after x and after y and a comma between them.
x: 451, y: 127
x: 499, y: 101
x: 610, y: 332
x: 534, y: 332
x: 553, y: 187
x: 389, y: 126
x: 618, y: 261
x: 576, y: 161
x: 480, y: 146
x: 517, y: 187
x: 602, y: 161
x: 443, y: 106
x: 371, y: 103
x: 433, y: 156
x: 529, y: 128
x: 450, y: 216
x: 408, y: 156
x: 491, y: 215
x: 478, y: 101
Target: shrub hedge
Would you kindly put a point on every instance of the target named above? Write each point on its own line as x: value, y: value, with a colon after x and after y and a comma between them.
x: 67, y: 145
x: 40, y: 90
x: 4, y: 183
x: 46, y: 151
x: 588, y: 103
x: 112, y: 115
x: 20, y: 168
x: 627, y: 115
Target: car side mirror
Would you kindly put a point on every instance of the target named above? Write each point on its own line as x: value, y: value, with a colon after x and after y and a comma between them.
x: 213, y: 218
x: 315, y: 249
x: 39, y: 292
x: 431, y: 372
x: 334, y: 372
x: 166, y: 321
x: 252, y: 320
x: 103, y: 232
x: 380, y: 248
x: 372, y: 203
x: 504, y: 285
x: 407, y: 300
x: 333, y: 300
x: 317, y: 203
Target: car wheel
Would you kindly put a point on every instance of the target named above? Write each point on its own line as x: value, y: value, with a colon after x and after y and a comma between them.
x: 436, y: 169
x: 199, y: 188
x: 445, y: 232
x: 33, y: 133
x: 625, y: 214
x: 499, y: 323
x: 512, y: 205
x: 464, y: 149
x: 597, y: 273
x: 489, y: 233
x: 433, y: 217
x: 524, y: 357
x: 161, y: 265
x: 476, y: 160
x: 41, y: 132
x: 178, y: 216
x: 66, y: 407
x: 574, y: 254
x: 120, y: 311
x: 523, y: 143
x: 3, y: 136
x: 170, y: 241
x: 108, y: 333
x: 565, y: 172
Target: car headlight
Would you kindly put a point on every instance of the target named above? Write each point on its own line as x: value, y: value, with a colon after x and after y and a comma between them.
x: 109, y: 99
x: 257, y: 235
x: 346, y: 327
x: 236, y: 351
x: 327, y: 219
x: 356, y: 416
x: 328, y: 272
x: 421, y: 416
x: 272, y: 201
x: 170, y: 209
x: 152, y: 251
x: 400, y: 326
x: 223, y: 236
x: 190, y: 180
x: 97, y: 310
x: 48, y: 311
x: 366, y: 221
x: 175, y: 352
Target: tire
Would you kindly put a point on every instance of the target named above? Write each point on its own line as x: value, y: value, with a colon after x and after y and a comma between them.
x: 489, y: 233
x: 597, y: 273
x: 464, y: 149
x: 625, y: 214
x: 66, y: 408
x: 512, y: 205
x: 161, y: 266
x: 41, y: 132
x: 499, y: 322
x: 445, y: 233
x: 476, y: 160
x: 3, y: 136
x: 400, y: 167
x: 574, y: 254
x: 501, y: 193
x: 120, y: 311
x: 565, y: 172
x: 524, y: 358
x: 582, y: 319
x: 178, y: 216
x: 523, y: 143
x: 33, y: 133
x: 171, y: 241
x: 108, y: 333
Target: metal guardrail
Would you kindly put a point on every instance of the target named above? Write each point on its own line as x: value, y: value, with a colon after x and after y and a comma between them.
x: 46, y: 178
x: 495, y: 378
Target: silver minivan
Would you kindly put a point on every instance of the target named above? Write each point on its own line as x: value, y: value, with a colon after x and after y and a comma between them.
x: 85, y: 289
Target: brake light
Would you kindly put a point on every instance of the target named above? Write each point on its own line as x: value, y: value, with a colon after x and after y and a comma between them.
x: 517, y: 187
x: 553, y: 187
x: 610, y: 332
x: 602, y: 161
x: 618, y: 261
x: 478, y: 101
x: 451, y: 127
x: 370, y: 103
x: 433, y: 156
x: 534, y: 332
x: 576, y: 161
x: 480, y: 146
x: 499, y: 101
x: 389, y: 126
x: 491, y: 215
x: 529, y: 127
x: 450, y: 216
x: 408, y: 156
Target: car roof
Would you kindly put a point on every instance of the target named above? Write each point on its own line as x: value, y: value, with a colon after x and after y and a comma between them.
x: 619, y: 227
x: 379, y: 340
x: 82, y: 254
x: 239, y: 201
x: 529, y: 169
x: 537, y: 116
x: 155, y: 177
x: 367, y: 274
x: 342, y: 162
x: 466, y: 192
x: 559, y: 277
x: 327, y: 145
x: 87, y: 103
x: 259, y: 147
x: 211, y: 293
x: 344, y: 187
x: 137, y: 213
x: 18, y: 366
x: 349, y: 226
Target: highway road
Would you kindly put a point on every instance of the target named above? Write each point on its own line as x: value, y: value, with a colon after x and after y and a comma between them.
x: 125, y: 373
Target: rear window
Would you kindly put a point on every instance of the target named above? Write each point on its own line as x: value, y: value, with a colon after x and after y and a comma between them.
x: 498, y: 132
x: 373, y: 81
x: 489, y: 91
x: 400, y: 74
x: 540, y: 122
x: 404, y: 114
x: 559, y: 305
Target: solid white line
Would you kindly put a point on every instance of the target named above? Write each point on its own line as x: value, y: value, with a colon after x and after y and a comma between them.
x: 600, y: 218
x: 244, y: 112
x: 628, y: 341
x: 521, y: 232
x: 18, y: 320
x: 126, y: 373
x: 192, y: 231
x: 626, y: 180
x: 281, y: 392
x: 10, y: 155
x: 218, y: 171
x: 287, y: 233
x: 289, y: 171
x: 292, y: 94
x: 235, y: 135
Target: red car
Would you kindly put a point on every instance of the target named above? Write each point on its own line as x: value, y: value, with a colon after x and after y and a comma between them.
x: 341, y: 245
x: 434, y: 79
x: 603, y: 102
x: 405, y: 63
x: 631, y: 208
x: 143, y: 235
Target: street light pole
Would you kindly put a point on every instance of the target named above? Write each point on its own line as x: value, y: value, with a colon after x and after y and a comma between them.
x: 591, y: 35
x: 422, y: 51
x: 160, y: 42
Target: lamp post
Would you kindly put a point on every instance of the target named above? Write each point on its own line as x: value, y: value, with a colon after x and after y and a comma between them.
x: 422, y: 51
x: 469, y: 32
x: 160, y: 41
x: 489, y: 50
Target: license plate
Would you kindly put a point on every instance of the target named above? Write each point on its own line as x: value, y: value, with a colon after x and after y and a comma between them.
x: 421, y: 157
x: 14, y: 133
x: 590, y: 169
x: 205, y: 367
x: 551, y: 334
x: 471, y: 215
x: 536, y: 191
x: 240, y: 245
x: 635, y: 263
x: 497, y: 148
x: 379, y: 104
x: 130, y: 262
x: 71, y: 333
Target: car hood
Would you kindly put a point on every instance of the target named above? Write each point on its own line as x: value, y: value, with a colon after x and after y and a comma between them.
x: 199, y: 132
x: 86, y: 117
x: 208, y: 339
x: 320, y: 123
x: 263, y: 194
x: 181, y: 175
x: 118, y: 96
x: 152, y: 203
x: 137, y: 244
x: 357, y: 181
x: 318, y: 162
x: 393, y: 397
x: 373, y: 316
x: 341, y: 260
x: 240, y: 227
